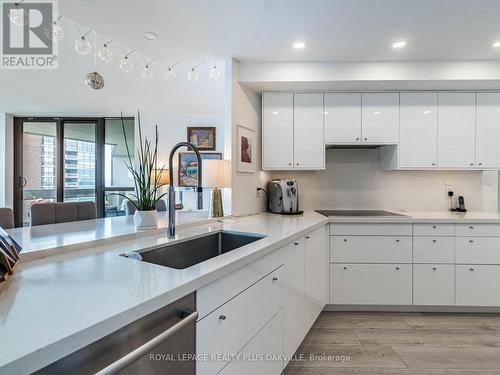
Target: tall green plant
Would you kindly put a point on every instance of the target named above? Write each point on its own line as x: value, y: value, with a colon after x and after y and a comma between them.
x: 147, y: 189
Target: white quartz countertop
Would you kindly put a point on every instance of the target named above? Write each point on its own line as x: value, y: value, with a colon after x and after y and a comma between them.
x: 56, y: 305
x: 476, y: 217
x: 47, y: 240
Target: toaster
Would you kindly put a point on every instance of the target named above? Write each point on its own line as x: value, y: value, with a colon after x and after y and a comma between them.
x: 283, y: 197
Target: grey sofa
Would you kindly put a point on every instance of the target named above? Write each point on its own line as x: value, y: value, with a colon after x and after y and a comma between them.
x: 6, y: 218
x: 62, y: 212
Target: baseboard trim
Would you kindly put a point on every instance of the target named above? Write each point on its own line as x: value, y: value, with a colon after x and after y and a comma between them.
x: 398, y: 308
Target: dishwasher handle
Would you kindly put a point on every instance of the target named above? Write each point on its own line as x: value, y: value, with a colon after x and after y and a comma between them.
x: 142, y: 350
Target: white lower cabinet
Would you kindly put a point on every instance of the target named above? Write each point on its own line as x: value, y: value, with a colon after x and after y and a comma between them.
x: 315, y: 274
x: 477, y: 285
x: 371, y: 284
x: 228, y: 329
x: 433, y: 284
x: 477, y: 250
x: 293, y: 288
x: 370, y: 249
x: 262, y: 355
x: 270, y: 317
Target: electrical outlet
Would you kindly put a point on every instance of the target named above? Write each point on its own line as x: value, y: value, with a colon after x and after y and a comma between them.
x: 259, y: 192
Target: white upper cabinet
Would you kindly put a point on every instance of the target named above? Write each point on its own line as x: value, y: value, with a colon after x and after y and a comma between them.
x: 308, y: 145
x: 488, y: 130
x: 342, y: 117
x: 277, y: 130
x: 418, y: 130
x: 456, y: 130
x: 380, y: 118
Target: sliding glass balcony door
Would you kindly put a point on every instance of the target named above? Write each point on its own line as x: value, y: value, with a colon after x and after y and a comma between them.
x: 71, y: 160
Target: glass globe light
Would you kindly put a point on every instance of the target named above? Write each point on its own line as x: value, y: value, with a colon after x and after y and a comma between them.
x: 94, y: 80
x: 126, y: 65
x: 170, y: 74
x: 17, y: 16
x: 83, y: 46
x: 193, y: 75
x: 57, y: 32
x: 105, y: 53
x: 147, y: 73
x: 214, y: 73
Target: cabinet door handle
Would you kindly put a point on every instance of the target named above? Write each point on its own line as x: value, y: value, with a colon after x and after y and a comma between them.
x: 434, y: 241
x: 307, y: 237
x: 275, y: 278
x: 397, y: 268
x: 433, y: 164
x: 471, y: 227
x: 397, y: 240
x: 296, y: 243
x: 357, y: 138
x: 471, y: 163
x: 365, y: 138
x: 222, y: 317
x: 471, y: 269
x: 297, y: 163
x: 434, y: 268
x: 345, y: 268
x: 289, y: 163
x: 434, y: 227
x: 345, y: 239
x: 480, y: 163
x: 471, y: 241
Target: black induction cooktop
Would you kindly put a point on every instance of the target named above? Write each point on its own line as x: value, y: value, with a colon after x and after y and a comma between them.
x: 359, y: 213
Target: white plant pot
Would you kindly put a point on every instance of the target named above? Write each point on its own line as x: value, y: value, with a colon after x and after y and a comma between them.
x: 146, y: 219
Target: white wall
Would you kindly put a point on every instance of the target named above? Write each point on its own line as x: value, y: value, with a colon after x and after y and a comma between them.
x: 243, y: 108
x: 354, y: 180
x: 173, y: 106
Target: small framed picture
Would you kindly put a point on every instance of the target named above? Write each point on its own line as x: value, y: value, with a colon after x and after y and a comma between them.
x: 188, y: 166
x: 202, y: 137
x: 246, y: 150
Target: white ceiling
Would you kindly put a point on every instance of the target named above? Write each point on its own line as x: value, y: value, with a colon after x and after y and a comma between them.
x: 334, y: 30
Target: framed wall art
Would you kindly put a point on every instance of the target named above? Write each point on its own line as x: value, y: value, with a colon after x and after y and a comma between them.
x: 246, y: 154
x: 202, y: 137
x: 188, y: 166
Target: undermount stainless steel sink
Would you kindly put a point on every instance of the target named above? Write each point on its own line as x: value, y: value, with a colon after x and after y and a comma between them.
x: 192, y: 251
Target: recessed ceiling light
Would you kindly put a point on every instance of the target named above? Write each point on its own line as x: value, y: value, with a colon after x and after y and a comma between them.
x: 148, y: 35
x: 399, y: 44
x: 299, y: 45
x: 496, y: 44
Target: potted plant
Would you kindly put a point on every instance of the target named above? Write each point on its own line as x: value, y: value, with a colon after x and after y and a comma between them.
x: 147, y: 179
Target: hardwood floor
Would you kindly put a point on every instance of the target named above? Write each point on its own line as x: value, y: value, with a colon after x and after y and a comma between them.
x: 400, y: 343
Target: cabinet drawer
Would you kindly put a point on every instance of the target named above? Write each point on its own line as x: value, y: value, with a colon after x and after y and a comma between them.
x: 433, y: 250
x: 213, y: 295
x: 477, y: 250
x: 371, y: 284
x: 433, y: 229
x: 370, y: 249
x: 370, y: 229
x: 487, y: 230
x: 477, y: 285
x: 229, y: 328
x: 433, y: 284
x: 262, y: 355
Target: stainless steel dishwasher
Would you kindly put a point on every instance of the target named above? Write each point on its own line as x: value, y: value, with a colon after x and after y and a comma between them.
x: 162, y: 342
